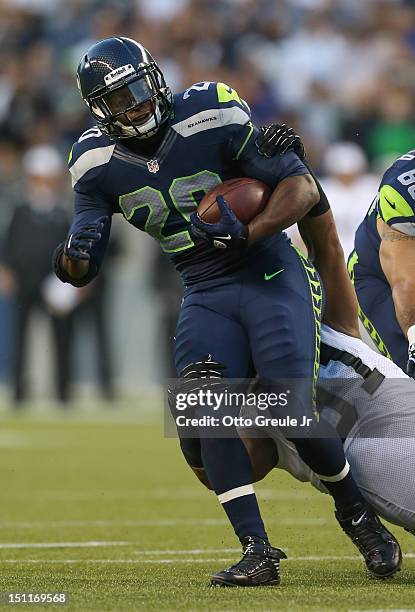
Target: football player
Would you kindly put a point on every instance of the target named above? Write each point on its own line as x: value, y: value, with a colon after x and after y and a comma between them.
x: 151, y: 157
x: 382, y: 265
x: 359, y: 398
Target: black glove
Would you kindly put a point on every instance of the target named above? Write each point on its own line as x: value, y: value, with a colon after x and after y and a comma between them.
x: 228, y: 233
x: 203, y: 374
x: 79, y: 244
x: 410, y: 366
x: 277, y: 139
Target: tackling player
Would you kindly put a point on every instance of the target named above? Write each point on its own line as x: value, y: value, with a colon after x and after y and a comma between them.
x: 382, y: 265
x: 151, y: 158
x: 378, y: 427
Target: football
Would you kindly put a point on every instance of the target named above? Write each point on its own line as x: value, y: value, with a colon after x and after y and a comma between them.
x: 247, y: 197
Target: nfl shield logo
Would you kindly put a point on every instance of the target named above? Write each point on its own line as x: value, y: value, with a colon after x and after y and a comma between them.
x: 153, y: 166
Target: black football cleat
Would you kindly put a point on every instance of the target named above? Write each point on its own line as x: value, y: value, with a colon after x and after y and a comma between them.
x: 380, y: 549
x: 259, y: 566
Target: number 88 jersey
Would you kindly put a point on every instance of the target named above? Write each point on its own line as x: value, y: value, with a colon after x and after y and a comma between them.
x: 209, y: 138
x: 395, y: 205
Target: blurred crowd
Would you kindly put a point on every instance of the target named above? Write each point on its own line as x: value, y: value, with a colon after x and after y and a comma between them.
x: 335, y: 69
x: 342, y: 73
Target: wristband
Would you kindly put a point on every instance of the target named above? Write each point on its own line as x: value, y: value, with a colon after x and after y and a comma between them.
x: 411, y: 334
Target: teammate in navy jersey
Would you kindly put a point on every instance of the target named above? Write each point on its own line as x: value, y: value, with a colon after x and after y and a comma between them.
x: 152, y: 157
x: 382, y: 265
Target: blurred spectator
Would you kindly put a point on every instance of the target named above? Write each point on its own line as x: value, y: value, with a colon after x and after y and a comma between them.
x: 10, y: 195
x: 308, y: 59
x: 37, y: 225
x: 349, y: 187
x: 393, y: 131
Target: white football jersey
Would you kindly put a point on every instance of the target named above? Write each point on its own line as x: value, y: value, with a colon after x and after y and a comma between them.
x: 380, y: 445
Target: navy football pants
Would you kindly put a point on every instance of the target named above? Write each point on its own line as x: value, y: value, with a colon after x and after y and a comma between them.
x: 249, y: 322
x: 377, y: 313
x: 265, y: 320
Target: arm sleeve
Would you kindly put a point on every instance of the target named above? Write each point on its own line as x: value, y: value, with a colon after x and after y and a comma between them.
x: 88, y: 210
x: 86, y: 213
x: 88, y: 165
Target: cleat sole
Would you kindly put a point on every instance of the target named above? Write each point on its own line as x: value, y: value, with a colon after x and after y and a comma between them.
x: 228, y: 585
x: 225, y: 583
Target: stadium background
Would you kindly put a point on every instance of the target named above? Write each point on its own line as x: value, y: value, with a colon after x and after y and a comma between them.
x: 95, y: 501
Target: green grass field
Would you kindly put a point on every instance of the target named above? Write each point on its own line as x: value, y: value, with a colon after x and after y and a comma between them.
x: 108, y: 512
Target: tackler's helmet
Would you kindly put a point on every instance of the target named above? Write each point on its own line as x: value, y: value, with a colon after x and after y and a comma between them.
x: 124, y: 88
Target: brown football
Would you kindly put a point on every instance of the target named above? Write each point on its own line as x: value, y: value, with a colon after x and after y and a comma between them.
x: 247, y: 197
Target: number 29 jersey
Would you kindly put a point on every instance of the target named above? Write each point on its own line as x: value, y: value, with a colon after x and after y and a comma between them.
x: 209, y: 138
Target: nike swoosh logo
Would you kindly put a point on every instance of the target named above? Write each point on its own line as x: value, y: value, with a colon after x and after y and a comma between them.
x: 227, y: 237
x: 359, y: 520
x: 391, y: 204
x: 268, y: 277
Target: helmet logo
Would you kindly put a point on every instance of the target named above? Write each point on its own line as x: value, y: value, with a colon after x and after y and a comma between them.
x: 118, y: 73
x: 153, y: 166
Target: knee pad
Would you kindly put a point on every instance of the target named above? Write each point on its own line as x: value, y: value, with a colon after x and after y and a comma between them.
x: 206, y: 368
x: 195, y: 376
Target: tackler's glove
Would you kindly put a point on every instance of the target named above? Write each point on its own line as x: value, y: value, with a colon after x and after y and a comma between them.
x: 204, y: 374
x: 79, y: 244
x: 277, y: 139
x: 410, y: 366
x: 228, y: 233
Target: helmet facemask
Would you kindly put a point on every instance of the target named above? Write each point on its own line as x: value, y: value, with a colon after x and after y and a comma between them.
x: 132, y: 107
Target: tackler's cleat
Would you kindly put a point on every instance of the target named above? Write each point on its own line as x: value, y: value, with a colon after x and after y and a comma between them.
x: 259, y: 566
x: 380, y: 549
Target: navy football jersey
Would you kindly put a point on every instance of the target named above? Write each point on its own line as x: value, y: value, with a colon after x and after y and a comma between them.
x: 209, y: 139
x: 395, y: 205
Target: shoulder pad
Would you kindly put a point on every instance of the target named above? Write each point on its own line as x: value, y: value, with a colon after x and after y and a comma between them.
x: 396, y: 204
x: 208, y: 105
x: 92, y: 151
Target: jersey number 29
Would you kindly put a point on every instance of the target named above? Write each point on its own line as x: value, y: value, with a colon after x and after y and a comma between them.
x: 182, y: 195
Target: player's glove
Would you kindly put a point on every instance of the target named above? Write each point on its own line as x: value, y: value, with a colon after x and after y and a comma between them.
x: 228, y: 233
x: 79, y: 244
x: 410, y: 366
x: 277, y: 139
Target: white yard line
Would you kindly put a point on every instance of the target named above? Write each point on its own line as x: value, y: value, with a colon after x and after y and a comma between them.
x: 189, y: 559
x: 113, y: 523
x: 194, y: 551
x: 122, y: 561
x: 92, y: 544
x: 207, y: 522
x: 183, y: 493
